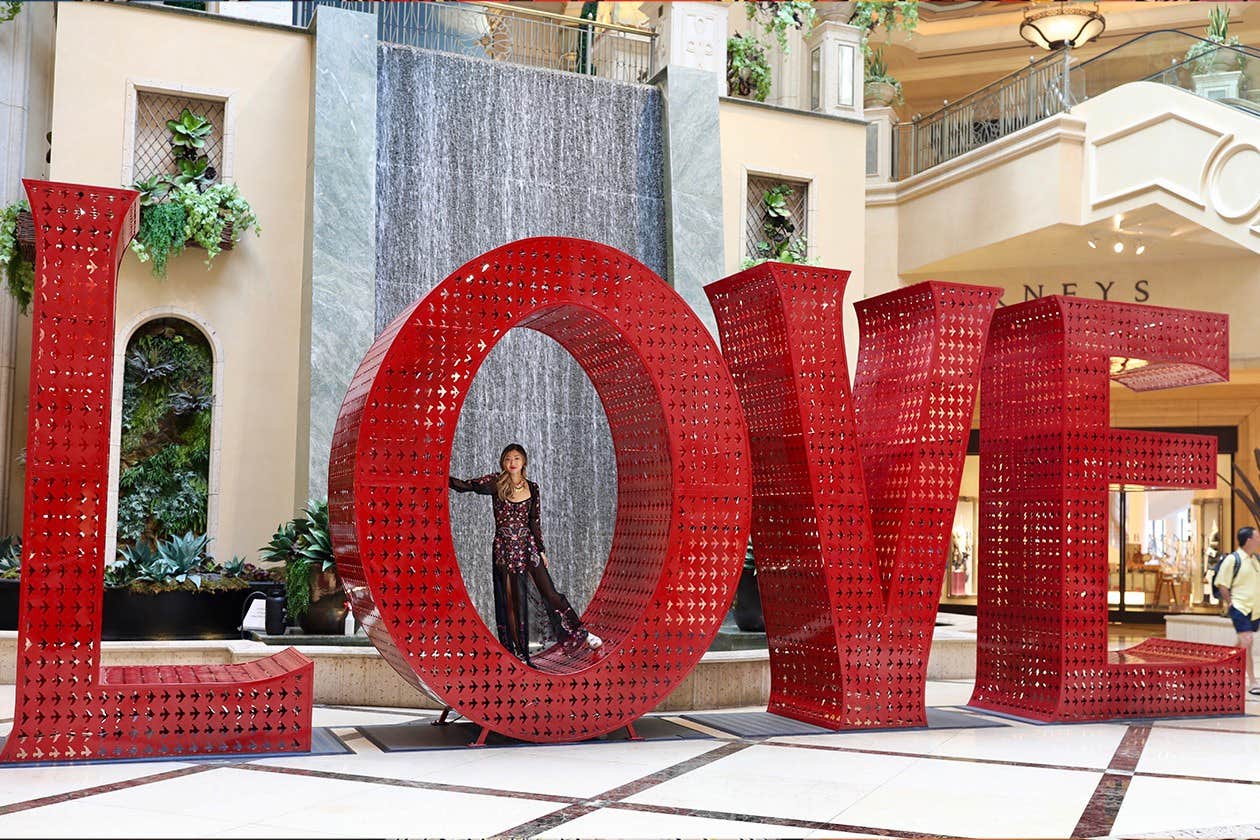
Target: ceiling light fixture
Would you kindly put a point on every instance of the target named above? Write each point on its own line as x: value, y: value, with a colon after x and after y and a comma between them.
x: 1141, y: 249
x: 1118, y: 247
x: 1061, y: 24
x: 1093, y: 243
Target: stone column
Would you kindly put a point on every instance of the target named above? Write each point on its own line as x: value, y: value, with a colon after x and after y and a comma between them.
x: 840, y: 76
x: 26, y: 58
x: 691, y: 35
x: 342, y: 224
x: 693, y: 185
x: 881, y: 119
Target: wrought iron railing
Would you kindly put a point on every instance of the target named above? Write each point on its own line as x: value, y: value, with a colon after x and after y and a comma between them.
x: 1054, y: 84
x: 514, y: 34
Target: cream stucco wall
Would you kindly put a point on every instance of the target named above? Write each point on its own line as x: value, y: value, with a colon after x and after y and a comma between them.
x: 826, y: 152
x: 251, y: 299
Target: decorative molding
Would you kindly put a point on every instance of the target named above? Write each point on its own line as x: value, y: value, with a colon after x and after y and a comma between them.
x: 1097, y: 199
x: 1215, y: 179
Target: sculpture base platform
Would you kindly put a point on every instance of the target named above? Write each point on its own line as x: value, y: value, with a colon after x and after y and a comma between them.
x: 350, y: 673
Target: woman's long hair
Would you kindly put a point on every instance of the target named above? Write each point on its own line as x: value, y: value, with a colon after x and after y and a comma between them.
x: 503, y: 486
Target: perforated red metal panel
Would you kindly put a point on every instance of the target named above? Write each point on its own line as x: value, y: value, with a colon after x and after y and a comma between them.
x: 854, y: 493
x: 682, y: 497
x: 68, y: 706
x: 1047, y: 454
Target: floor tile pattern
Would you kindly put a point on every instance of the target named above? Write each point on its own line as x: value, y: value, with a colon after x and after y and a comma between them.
x: 1195, y: 778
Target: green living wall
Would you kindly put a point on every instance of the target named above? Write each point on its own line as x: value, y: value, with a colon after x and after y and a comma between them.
x: 168, y: 394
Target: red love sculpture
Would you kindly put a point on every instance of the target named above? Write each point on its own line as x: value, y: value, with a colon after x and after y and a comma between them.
x: 683, y: 480
x: 1047, y: 456
x: 67, y: 705
x: 854, y: 496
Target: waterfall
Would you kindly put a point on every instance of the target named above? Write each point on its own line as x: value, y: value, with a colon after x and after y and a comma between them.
x: 473, y: 154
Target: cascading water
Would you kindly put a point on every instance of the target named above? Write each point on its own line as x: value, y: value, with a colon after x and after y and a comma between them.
x: 473, y: 154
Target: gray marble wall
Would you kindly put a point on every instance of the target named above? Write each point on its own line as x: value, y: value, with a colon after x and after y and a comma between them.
x: 693, y: 178
x: 474, y: 154
x: 343, y: 220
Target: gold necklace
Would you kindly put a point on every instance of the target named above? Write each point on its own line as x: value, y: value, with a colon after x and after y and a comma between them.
x: 516, y: 488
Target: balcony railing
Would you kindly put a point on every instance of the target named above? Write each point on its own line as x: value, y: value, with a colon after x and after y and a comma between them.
x: 1228, y: 74
x: 515, y: 34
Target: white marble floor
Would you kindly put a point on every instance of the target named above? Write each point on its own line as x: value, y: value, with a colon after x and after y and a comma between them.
x: 1189, y: 778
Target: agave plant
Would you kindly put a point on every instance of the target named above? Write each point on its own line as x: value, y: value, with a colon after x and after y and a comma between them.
x: 11, y: 557
x: 152, y: 190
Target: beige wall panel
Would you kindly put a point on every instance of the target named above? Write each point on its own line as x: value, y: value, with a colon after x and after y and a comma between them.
x: 825, y: 151
x: 251, y: 298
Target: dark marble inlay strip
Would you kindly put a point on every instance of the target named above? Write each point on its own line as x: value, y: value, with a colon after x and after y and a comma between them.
x: 407, y: 783
x: 1101, y: 810
x: 609, y: 797
x: 1223, y: 781
x: 964, y: 759
x: 810, y: 825
x: 70, y: 796
x: 1129, y: 752
x: 1195, y: 728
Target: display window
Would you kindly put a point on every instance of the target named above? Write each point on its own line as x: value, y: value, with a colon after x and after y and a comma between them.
x: 1163, y: 563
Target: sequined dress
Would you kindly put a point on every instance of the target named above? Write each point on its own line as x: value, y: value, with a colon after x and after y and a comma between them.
x: 517, y: 555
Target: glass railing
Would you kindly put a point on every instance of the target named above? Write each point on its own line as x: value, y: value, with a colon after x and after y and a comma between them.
x: 1229, y: 74
x: 514, y: 34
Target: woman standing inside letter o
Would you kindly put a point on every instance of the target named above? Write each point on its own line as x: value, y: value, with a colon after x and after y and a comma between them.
x: 519, y: 552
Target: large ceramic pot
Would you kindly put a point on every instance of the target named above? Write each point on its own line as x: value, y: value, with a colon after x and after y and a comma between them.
x: 326, y: 616
x: 748, y: 615
x: 879, y: 94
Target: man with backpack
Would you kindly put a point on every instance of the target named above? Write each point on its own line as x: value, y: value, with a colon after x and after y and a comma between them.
x: 1237, y: 583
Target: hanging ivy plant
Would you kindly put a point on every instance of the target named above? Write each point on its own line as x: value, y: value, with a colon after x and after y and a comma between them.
x: 9, y: 10
x: 19, y: 272
x: 165, y: 454
x: 747, y: 71
x: 778, y: 16
x: 209, y: 213
x: 162, y: 233
x: 889, y: 15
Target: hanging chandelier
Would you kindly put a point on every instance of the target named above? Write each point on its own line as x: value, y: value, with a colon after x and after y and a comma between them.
x: 1061, y: 23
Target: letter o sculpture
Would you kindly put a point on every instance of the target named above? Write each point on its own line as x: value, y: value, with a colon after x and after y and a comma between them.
x: 683, y: 489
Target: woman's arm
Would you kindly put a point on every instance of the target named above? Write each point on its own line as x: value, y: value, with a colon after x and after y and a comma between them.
x: 535, y: 518
x: 483, y: 485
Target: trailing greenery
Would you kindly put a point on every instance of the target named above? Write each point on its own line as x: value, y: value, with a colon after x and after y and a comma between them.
x: 747, y: 70
x: 187, y: 206
x: 1205, y: 56
x: 304, y: 545
x: 780, y: 243
x: 19, y: 273
x: 165, y: 453
x: 9, y: 10
x: 162, y: 234
x: 209, y: 211
x: 889, y: 15
x: 778, y: 16
x: 11, y: 557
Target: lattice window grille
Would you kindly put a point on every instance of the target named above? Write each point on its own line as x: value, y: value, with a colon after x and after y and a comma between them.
x: 153, y: 140
x: 798, y: 209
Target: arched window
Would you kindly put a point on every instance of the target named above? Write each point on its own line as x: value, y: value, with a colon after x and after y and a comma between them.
x: 165, y: 445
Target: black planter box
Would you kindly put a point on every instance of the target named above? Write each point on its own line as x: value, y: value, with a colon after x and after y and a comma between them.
x: 130, y: 616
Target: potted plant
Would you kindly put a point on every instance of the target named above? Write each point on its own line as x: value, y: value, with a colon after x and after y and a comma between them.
x: 1212, y: 55
x: 188, y: 207
x: 173, y: 589
x: 882, y: 88
x: 747, y: 71
x: 747, y: 68
x: 314, y: 594
x: 10, y: 580
x: 17, y: 251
